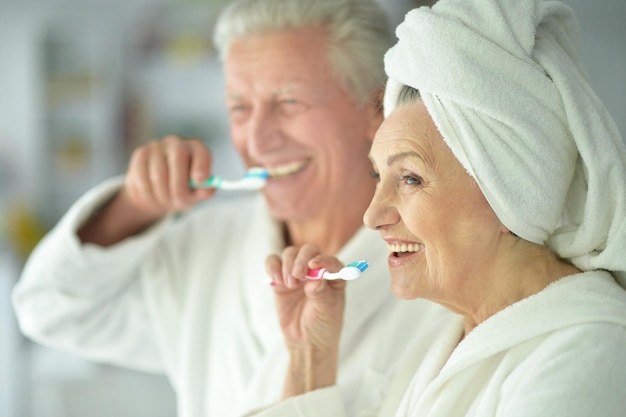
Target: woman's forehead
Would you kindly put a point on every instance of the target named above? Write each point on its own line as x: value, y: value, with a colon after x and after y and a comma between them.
x: 408, y: 126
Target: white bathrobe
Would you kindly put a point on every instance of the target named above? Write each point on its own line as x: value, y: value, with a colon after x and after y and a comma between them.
x: 502, y: 82
x: 189, y: 298
x: 559, y: 353
x: 544, y: 356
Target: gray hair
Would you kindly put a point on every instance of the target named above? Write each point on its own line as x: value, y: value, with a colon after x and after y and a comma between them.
x: 408, y: 95
x: 359, y: 32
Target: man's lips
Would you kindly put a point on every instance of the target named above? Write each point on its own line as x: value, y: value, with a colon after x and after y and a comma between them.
x: 283, y: 170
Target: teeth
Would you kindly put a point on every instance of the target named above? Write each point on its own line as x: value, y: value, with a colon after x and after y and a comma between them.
x: 404, y: 247
x: 287, y: 169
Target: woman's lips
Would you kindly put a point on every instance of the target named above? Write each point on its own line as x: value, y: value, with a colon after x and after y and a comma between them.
x: 404, y: 247
x: 400, y: 253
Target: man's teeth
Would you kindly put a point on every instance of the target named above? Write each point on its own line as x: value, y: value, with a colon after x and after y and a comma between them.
x: 287, y: 169
x: 404, y: 247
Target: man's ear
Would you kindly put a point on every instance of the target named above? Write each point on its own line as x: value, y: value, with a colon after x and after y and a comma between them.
x: 374, y: 109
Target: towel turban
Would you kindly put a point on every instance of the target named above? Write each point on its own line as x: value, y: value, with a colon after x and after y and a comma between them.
x: 502, y: 81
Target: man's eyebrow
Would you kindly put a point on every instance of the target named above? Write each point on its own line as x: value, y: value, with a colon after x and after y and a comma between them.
x: 287, y: 89
x: 234, y: 96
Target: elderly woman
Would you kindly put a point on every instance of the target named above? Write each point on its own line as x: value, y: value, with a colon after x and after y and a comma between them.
x: 501, y: 196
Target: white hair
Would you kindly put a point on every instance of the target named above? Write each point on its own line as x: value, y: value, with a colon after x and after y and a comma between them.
x: 359, y: 34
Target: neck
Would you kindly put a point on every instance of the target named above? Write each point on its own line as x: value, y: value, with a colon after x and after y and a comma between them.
x: 525, y: 276
x: 331, y: 229
x: 328, y: 235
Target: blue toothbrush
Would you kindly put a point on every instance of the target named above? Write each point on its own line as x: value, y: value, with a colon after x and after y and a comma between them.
x: 254, y: 179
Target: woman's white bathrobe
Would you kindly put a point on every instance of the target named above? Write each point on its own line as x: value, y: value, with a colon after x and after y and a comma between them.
x: 189, y: 298
x: 544, y: 356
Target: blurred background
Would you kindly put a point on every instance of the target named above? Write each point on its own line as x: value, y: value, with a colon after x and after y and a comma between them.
x: 83, y: 83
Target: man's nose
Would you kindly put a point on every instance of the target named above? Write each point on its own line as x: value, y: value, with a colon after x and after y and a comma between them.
x: 264, y: 131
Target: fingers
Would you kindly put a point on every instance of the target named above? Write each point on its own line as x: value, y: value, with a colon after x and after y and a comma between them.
x: 200, y: 168
x: 296, y: 263
x: 290, y: 269
x: 273, y: 267
x: 288, y: 259
x: 159, y: 172
x: 325, y: 261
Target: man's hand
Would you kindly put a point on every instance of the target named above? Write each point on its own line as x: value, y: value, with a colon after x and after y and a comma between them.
x: 157, y: 181
x: 157, y: 184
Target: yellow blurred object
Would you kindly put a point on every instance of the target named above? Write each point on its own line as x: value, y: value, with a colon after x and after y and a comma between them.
x: 187, y: 48
x: 24, y: 230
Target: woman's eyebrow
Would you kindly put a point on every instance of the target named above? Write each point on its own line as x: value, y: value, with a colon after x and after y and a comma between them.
x: 403, y: 155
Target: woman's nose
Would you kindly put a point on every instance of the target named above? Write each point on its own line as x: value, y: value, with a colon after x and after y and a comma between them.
x: 380, y: 214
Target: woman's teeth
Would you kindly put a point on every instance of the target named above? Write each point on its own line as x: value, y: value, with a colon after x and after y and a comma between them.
x: 287, y: 169
x: 404, y: 247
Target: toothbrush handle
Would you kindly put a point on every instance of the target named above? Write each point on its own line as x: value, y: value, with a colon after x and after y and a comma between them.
x: 322, y: 273
x: 211, y: 182
x: 317, y: 273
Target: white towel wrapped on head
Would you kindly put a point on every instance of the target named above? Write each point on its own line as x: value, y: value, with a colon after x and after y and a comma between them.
x: 503, y: 83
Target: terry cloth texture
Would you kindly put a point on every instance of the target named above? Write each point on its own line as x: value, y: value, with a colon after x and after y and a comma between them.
x: 502, y: 81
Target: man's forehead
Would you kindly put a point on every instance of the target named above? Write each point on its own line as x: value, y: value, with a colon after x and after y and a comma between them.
x: 234, y: 92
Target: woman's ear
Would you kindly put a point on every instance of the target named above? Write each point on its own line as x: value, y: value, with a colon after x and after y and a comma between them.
x: 505, y: 230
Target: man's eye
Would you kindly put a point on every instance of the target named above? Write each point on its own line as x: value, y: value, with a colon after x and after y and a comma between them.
x: 290, y: 106
x: 238, y: 113
x: 375, y: 175
x: 237, y: 108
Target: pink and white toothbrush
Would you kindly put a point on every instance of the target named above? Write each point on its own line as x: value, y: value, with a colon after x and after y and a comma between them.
x: 349, y: 272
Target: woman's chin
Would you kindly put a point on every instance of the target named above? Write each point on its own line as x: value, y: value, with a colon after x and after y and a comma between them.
x: 404, y: 286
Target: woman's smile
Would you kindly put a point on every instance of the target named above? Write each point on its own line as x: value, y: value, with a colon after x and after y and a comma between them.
x: 400, y: 253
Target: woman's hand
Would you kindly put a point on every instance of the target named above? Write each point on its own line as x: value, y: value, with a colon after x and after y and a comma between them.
x: 310, y: 315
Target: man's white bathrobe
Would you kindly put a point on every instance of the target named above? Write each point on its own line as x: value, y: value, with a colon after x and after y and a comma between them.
x: 189, y: 298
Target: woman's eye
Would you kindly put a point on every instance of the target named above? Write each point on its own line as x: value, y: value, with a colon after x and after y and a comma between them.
x: 412, y: 180
x: 375, y: 175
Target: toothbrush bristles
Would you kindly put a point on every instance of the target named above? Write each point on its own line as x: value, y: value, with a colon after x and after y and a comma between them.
x: 257, y: 172
x: 360, y: 265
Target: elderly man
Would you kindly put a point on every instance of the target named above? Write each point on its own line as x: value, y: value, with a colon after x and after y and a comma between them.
x: 123, y: 281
